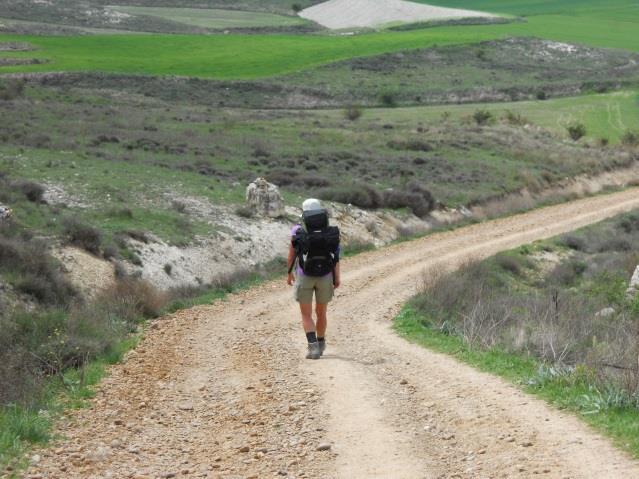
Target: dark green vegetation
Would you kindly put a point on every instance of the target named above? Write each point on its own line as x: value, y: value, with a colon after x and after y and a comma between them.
x: 553, y: 316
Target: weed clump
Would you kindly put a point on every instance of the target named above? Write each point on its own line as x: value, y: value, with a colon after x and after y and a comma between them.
x: 82, y: 235
x: 576, y: 131
x: 483, y: 117
x: 33, y: 271
x: 11, y: 89
x: 353, y: 113
x: 388, y: 99
x: 630, y: 138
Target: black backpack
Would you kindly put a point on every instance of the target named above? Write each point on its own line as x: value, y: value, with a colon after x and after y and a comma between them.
x: 316, y: 244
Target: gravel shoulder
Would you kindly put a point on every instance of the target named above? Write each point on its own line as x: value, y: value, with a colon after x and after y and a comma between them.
x: 223, y: 390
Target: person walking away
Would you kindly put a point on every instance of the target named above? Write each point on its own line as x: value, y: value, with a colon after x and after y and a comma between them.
x: 314, y: 249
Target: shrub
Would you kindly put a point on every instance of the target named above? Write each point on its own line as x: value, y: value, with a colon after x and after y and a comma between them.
x: 576, y: 131
x: 415, y: 197
x: 388, y: 99
x: 11, y: 89
x: 34, y: 192
x: 35, y: 271
x: 138, y: 235
x: 630, y: 138
x: 574, y: 242
x: 352, y: 113
x: 509, y: 263
x: 82, y: 235
x: 296, y: 7
x: 516, y: 119
x: 132, y: 299
x: 541, y: 95
x: 410, y: 145
x: 363, y: 196
x: 483, y: 117
x: 567, y: 273
x: 245, y: 211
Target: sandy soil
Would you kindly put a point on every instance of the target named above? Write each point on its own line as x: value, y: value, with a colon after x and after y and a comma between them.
x: 338, y: 14
x: 223, y: 391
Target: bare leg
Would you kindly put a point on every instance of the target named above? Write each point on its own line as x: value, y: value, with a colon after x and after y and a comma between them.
x: 320, y: 310
x: 307, y: 317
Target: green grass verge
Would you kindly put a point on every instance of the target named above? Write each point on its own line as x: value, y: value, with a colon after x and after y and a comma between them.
x: 574, y: 393
x: 23, y: 427
x: 212, y: 17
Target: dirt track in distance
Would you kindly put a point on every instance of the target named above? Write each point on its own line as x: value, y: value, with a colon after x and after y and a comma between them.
x: 223, y: 390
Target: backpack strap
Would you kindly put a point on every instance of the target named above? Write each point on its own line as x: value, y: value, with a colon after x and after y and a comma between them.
x: 298, y: 253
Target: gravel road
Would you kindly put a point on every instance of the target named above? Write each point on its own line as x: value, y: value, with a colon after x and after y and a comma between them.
x: 222, y: 390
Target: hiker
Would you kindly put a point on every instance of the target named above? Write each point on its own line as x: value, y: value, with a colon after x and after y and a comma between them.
x: 314, y: 248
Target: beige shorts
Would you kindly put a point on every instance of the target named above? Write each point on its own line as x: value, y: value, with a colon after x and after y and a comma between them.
x: 306, y: 285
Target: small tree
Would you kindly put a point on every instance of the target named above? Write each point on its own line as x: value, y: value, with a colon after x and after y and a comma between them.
x: 388, y: 99
x: 296, y: 7
x: 352, y: 113
x: 576, y: 131
x: 483, y: 117
x: 630, y: 138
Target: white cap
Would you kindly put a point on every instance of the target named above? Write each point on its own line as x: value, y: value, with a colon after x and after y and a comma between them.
x: 311, y: 204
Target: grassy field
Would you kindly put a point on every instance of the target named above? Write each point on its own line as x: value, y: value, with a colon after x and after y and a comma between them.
x: 228, y: 56
x: 607, y: 115
x: 616, y: 9
x: 238, y: 56
x: 212, y: 18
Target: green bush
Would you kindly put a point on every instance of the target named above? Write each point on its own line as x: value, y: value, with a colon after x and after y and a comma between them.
x: 363, y: 196
x: 388, y: 99
x: 576, y: 131
x: 352, y: 113
x: 483, y: 117
x: 630, y: 138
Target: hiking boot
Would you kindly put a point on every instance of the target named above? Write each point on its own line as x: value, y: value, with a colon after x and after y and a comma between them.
x: 313, y: 351
x: 322, y: 347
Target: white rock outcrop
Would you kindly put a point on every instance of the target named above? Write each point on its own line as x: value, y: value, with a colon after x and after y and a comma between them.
x: 5, y: 212
x: 265, y: 198
x: 633, y: 288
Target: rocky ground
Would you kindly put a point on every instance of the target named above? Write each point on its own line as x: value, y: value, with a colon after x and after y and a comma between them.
x: 223, y: 391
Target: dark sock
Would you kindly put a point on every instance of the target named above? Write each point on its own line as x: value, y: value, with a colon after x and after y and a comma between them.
x: 311, y: 337
x: 321, y: 340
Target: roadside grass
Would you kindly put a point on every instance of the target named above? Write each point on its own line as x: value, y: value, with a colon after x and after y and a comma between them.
x: 25, y: 425
x: 211, y: 17
x: 574, y: 393
x: 552, y: 317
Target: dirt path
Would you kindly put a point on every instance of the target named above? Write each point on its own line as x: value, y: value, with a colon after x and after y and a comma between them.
x: 223, y: 390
